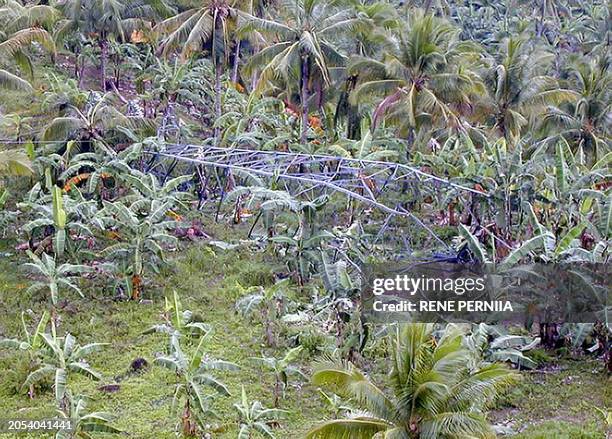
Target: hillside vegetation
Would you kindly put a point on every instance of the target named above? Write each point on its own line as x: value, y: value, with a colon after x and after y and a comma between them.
x: 146, y: 296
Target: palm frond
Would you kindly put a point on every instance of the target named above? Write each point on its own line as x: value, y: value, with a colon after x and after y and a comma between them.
x: 9, y: 81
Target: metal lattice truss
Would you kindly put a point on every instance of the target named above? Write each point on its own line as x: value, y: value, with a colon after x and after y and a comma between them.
x: 387, y: 186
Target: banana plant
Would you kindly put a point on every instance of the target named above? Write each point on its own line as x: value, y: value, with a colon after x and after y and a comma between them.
x: 367, y: 148
x: 14, y: 162
x: 302, y: 254
x: 282, y: 368
x: 543, y: 247
x: 268, y: 200
x: 59, y: 221
x: 573, y: 191
x: 342, y: 283
x: 32, y: 343
x: 7, y: 217
x: 253, y: 122
x: 501, y: 172
x: 307, y: 241
x: 98, y: 166
x: 62, y: 357
x: 179, y: 322
x: 140, y: 238
x: 496, y: 345
x: 269, y: 301
x: 72, y: 218
x: 192, y: 374
x: 255, y: 419
x: 56, y: 277
x: 149, y: 194
x: 335, y: 403
x: 547, y: 248
x: 83, y: 422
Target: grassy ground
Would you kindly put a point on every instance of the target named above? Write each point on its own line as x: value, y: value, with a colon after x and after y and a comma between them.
x: 209, y: 283
x: 546, y: 405
x: 558, y: 402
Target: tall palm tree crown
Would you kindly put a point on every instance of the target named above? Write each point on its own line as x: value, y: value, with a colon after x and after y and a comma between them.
x: 425, y: 77
x: 586, y: 121
x: 20, y: 26
x: 206, y: 27
x: 303, y: 50
x: 519, y: 87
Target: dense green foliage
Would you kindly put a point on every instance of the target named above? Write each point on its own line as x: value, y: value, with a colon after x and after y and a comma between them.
x: 100, y: 239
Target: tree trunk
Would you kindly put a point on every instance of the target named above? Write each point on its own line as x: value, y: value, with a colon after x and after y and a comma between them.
x: 236, y: 62
x: 218, y: 69
x: 188, y: 426
x: 277, y: 392
x: 304, y: 98
x: 268, y: 327
x: 103, y: 61
x: 81, y: 73
x: 549, y: 335
x: 254, y: 80
x: 540, y: 23
x: 76, y: 65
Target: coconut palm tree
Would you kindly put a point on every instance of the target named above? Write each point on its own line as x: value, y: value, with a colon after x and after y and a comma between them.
x: 108, y: 20
x: 519, y: 88
x: 425, y: 77
x: 586, y: 122
x: 438, y: 391
x: 209, y: 27
x: 95, y: 127
x: 302, y: 48
x: 21, y: 25
x: 374, y: 36
x: 377, y: 18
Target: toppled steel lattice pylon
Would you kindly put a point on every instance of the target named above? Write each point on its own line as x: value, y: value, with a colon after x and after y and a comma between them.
x: 387, y: 186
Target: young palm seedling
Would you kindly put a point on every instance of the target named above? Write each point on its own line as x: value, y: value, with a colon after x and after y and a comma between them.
x: 436, y: 394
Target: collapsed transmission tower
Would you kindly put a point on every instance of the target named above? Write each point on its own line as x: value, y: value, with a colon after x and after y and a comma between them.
x: 392, y: 188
